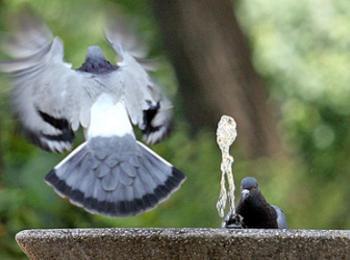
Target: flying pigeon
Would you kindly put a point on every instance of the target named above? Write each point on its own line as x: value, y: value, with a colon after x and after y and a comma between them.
x: 255, y: 210
x: 111, y: 173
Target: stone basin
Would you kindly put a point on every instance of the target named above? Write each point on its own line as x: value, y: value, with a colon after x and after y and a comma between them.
x: 184, y: 243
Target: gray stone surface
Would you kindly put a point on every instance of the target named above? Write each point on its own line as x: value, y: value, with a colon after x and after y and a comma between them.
x: 184, y: 243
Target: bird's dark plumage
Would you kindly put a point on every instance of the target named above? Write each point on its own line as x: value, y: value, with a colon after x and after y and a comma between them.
x: 96, y: 62
x: 255, y: 210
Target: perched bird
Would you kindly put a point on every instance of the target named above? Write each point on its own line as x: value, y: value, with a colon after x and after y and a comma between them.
x: 255, y: 210
x: 111, y: 173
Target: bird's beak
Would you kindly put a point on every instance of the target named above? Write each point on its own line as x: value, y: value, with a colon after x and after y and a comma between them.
x: 244, y: 194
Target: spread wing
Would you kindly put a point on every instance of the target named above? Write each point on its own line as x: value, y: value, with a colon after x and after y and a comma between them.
x: 50, y: 99
x: 147, y: 106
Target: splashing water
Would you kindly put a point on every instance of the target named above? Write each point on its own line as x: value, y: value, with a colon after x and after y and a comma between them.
x: 226, y: 134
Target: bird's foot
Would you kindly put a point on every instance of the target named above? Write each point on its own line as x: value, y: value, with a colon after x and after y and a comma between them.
x: 233, y: 221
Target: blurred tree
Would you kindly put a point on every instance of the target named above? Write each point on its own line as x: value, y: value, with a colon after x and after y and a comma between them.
x: 1, y: 154
x: 1, y: 148
x: 216, y: 76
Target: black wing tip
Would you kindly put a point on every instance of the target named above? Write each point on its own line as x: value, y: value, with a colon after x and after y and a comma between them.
x: 42, y: 141
x: 51, y: 176
x: 58, y: 123
x: 163, y: 130
x: 65, y: 136
x: 62, y: 124
x: 62, y: 140
x: 120, y: 208
x: 53, y: 180
x: 178, y: 175
x: 166, y: 130
x: 148, y: 116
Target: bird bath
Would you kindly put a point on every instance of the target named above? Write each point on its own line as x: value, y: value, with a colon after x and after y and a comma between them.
x: 189, y: 243
x: 184, y: 243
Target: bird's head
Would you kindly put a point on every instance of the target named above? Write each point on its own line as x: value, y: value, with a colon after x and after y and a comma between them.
x: 95, y: 62
x: 248, y: 184
x: 94, y: 52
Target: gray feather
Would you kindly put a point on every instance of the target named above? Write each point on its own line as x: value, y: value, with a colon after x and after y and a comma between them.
x: 125, y: 188
x: 128, y: 168
x: 103, y: 170
x: 110, y: 181
x: 138, y: 84
x: 43, y: 81
x: 112, y: 160
x: 281, y: 218
x: 124, y: 178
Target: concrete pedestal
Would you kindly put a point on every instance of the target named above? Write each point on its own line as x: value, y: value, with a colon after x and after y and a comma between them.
x: 186, y: 243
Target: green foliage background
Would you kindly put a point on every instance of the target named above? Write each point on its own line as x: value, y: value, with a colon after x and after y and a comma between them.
x: 301, y: 49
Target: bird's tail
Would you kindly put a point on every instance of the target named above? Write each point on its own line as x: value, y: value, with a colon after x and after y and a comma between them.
x: 114, y: 176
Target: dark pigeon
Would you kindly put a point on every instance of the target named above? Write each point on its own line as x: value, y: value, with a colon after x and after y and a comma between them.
x: 255, y: 210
